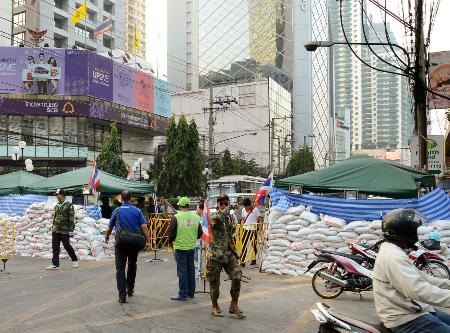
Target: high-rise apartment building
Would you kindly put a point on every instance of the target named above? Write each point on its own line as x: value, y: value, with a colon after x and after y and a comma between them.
x: 380, y: 103
x: 135, y: 21
x: 54, y: 17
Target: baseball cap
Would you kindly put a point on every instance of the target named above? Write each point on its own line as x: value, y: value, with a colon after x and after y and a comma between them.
x: 184, y: 202
x: 60, y: 191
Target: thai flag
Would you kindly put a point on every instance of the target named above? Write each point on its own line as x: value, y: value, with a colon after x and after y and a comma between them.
x: 261, y: 194
x: 104, y: 27
x: 129, y: 175
x: 94, y: 180
x: 206, y: 225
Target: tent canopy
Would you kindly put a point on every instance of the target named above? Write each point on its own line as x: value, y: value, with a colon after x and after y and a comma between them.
x: 15, y: 182
x: 368, y: 175
x: 73, y: 181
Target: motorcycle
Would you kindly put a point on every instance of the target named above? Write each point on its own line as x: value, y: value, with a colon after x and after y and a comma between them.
x: 333, y: 322
x: 339, y: 272
x: 424, y: 260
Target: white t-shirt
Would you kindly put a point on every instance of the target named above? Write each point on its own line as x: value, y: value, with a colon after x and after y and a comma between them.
x: 251, y: 220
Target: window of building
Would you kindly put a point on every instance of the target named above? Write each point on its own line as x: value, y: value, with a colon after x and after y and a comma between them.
x: 19, y: 20
x: 108, y: 42
x: 28, y: 129
x: 18, y: 3
x: 19, y: 38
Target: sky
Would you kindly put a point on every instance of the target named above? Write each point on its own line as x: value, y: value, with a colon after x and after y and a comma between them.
x: 156, y: 11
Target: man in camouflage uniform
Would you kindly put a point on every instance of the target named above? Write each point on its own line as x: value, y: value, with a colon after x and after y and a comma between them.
x: 63, y: 225
x: 222, y: 254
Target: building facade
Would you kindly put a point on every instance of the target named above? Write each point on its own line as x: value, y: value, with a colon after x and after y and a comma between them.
x: 135, y: 21
x: 5, y: 25
x: 380, y: 103
x: 257, y: 127
x: 54, y: 17
x: 64, y: 110
x: 253, y: 36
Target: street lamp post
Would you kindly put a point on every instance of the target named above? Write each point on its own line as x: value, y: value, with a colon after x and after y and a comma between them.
x: 206, y: 172
x: 140, y: 160
x: 22, y: 145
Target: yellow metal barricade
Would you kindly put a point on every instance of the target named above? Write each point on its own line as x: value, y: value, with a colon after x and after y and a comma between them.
x: 158, y: 226
x: 250, y: 241
x: 6, y: 242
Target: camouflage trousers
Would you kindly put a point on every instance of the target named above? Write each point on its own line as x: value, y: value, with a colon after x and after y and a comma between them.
x: 232, y: 268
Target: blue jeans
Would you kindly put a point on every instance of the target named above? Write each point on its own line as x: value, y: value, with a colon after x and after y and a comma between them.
x: 435, y: 322
x: 185, y: 272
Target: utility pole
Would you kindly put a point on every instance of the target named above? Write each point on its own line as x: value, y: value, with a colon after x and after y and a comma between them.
x: 211, y: 123
x: 420, y: 84
x: 272, y: 146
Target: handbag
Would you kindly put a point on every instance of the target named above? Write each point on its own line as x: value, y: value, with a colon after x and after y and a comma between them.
x: 128, y: 237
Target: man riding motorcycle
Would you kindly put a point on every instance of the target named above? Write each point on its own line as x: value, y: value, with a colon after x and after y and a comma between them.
x: 403, y: 295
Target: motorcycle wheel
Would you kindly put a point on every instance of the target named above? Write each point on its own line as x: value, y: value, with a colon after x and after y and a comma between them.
x: 325, y: 288
x: 437, y: 268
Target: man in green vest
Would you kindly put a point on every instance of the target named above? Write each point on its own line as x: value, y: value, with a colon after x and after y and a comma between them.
x: 184, y: 230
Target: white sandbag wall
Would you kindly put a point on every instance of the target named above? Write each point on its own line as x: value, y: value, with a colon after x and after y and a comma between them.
x: 294, y: 234
x: 34, y: 238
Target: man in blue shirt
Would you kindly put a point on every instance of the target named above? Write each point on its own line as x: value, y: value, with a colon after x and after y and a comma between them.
x: 130, y: 218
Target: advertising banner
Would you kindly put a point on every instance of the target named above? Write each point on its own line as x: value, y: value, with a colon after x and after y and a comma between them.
x: 31, y: 71
x: 100, y: 74
x: 92, y: 109
x: 76, y: 72
x: 124, y: 84
x: 439, y: 74
x: 436, y: 153
x: 143, y: 95
x: 162, y: 98
x: 48, y: 71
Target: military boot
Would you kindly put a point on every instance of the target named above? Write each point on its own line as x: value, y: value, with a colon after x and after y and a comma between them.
x: 235, y: 310
x: 215, y: 310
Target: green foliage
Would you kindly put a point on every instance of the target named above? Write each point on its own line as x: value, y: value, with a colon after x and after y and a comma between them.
x: 182, y: 173
x: 110, y: 157
x: 301, y: 161
x: 226, y: 164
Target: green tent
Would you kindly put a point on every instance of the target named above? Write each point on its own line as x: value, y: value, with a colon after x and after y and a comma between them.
x: 73, y: 181
x: 15, y: 182
x: 368, y: 175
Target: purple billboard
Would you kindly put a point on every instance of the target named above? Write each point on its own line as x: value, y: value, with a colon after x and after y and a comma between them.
x: 31, y: 71
x: 48, y: 71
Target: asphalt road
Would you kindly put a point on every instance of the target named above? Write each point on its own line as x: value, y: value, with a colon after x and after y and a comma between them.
x: 85, y: 300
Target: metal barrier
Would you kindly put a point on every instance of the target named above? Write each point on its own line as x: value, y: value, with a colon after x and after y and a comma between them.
x: 158, y: 227
x: 250, y: 241
x: 6, y: 242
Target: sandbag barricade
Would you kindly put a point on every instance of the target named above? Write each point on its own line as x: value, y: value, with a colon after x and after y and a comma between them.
x: 6, y: 242
x: 158, y: 226
x: 250, y: 241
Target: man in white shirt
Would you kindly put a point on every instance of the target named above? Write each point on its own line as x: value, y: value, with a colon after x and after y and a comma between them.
x: 250, y: 215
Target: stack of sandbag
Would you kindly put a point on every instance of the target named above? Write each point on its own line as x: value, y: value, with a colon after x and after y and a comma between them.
x: 33, y: 234
x: 293, y: 235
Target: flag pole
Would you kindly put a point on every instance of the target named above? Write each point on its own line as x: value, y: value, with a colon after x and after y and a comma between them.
x: 85, y: 29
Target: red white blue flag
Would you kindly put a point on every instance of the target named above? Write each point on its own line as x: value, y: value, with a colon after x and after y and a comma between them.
x: 94, y: 180
x: 206, y: 224
x: 104, y: 27
x: 129, y: 175
x: 261, y: 194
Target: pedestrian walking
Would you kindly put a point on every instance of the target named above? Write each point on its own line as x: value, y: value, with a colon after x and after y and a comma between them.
x: 250, y: 215
x: 131, y: 237
x: 63, y: 225
x: 222, y: 254
x: 184, y: 230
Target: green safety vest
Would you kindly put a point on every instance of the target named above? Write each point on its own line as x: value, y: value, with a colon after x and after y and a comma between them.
x: 187, y: 230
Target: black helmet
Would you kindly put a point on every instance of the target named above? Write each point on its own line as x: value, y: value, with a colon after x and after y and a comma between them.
x: 223, y: 197
x: 400, y: 227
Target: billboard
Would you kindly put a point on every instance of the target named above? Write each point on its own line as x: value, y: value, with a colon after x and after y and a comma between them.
x: 31, y: 71
x: 92, y: 109
x: 436, y: 152
x: 48, y: 71
x: 162, y: 99
x: 439, y: 76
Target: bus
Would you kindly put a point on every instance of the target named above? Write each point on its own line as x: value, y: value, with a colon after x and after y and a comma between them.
x: 237, y: 187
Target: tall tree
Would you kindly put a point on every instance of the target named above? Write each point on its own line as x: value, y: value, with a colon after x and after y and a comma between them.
x: 228, y: 165
x: 301, y: 161
x: 110, y: 157
x: 182, y: 173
